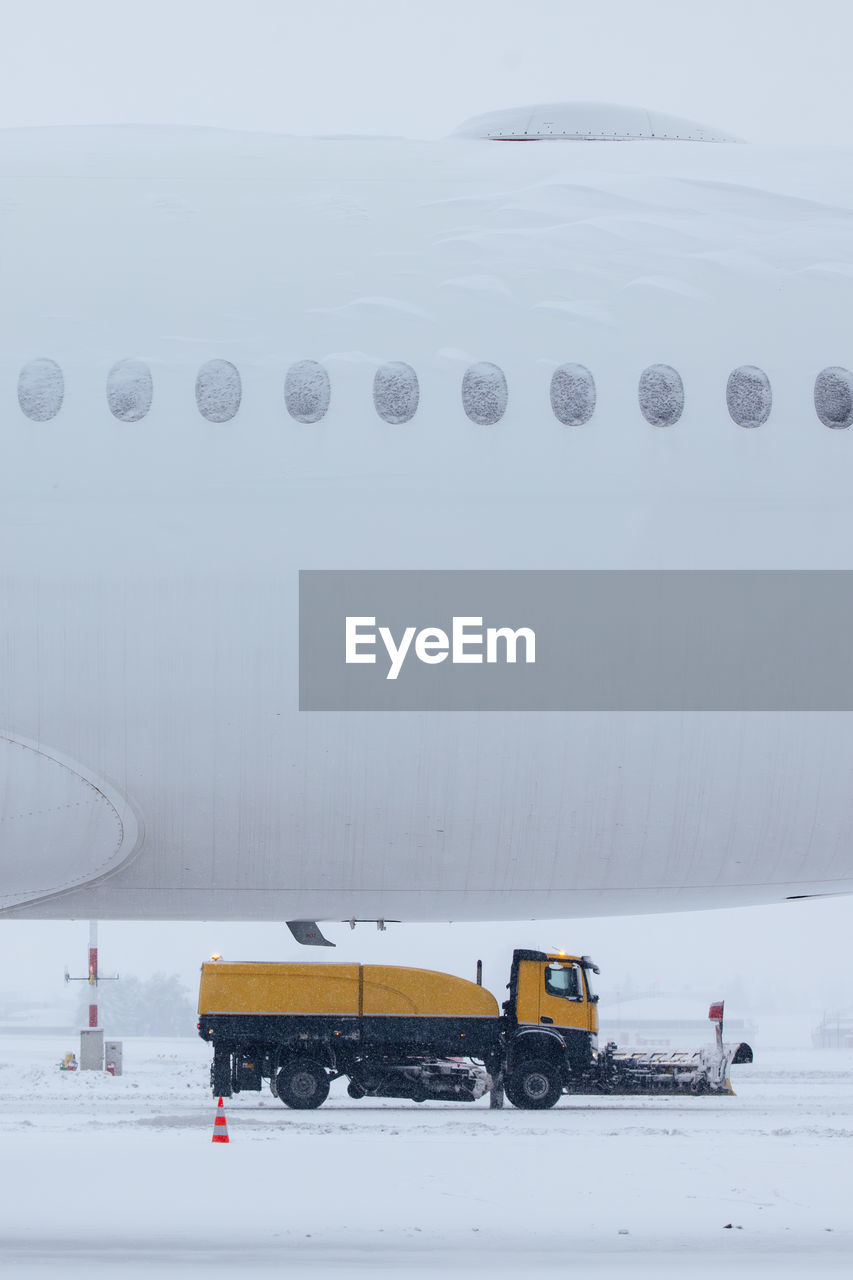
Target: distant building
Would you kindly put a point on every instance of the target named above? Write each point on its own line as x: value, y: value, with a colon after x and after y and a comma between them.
x: 666, y: 1022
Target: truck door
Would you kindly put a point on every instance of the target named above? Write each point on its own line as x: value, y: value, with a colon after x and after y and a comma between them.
x: 562, y: 996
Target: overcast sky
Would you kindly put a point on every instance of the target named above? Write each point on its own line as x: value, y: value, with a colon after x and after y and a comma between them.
x: 769, y: 70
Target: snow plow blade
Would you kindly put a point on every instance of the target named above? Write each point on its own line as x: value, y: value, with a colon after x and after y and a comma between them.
x: 695, y: 1071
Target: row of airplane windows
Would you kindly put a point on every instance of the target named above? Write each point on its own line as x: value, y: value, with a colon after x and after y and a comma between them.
x: 396, y: 392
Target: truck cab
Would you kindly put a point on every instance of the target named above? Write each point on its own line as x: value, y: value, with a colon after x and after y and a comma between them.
x: 551, y: 1013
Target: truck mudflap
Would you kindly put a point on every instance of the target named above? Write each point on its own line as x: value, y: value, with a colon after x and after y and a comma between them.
x: 695, y: 1071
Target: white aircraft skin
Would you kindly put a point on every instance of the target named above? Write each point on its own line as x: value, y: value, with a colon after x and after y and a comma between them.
x: 154, y: 761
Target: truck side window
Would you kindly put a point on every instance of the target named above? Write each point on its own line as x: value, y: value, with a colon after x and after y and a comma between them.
x: 563, y: 981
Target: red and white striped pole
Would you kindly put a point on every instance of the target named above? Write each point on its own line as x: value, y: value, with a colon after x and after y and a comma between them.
x: 93, y: 971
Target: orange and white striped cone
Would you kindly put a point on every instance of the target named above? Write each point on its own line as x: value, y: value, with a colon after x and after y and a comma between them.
x: 220, y: 1124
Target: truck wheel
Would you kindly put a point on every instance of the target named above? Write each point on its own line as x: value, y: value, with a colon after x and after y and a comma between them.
x: 302, y: 1084
x: 534, y: 1085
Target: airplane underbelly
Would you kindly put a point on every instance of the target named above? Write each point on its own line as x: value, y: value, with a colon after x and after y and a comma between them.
x: 252, y: 809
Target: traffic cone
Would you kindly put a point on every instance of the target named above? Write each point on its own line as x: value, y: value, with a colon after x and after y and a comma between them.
x: 220, y: 1124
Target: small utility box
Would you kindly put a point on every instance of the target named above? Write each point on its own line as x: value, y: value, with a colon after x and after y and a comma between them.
x: 92, y: 1049
x: 113, y: 1057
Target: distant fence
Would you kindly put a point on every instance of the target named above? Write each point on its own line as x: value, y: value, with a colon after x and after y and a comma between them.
x: 834, y: 1033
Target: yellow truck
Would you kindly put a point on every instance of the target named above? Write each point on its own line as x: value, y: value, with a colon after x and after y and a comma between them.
x: 395, y: 1032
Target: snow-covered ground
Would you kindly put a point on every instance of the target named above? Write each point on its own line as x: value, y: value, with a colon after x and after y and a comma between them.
x: 119, y: 1176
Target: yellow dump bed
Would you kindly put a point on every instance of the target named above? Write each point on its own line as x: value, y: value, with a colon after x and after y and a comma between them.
x: 368, y: 990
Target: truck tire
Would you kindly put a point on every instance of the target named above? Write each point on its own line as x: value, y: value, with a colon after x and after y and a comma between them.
x: 534, y: 1085
x: 302, y: 1084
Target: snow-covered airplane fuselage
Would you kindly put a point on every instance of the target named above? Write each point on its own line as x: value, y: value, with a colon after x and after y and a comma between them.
x: 226, y: 358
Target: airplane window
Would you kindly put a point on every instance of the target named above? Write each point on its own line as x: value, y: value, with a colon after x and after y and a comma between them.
x: 307, y: 391
x: 572, y: 394
x: 396, y: 392
x: 484, y: 393
x: 661, y: 395
x: 130, y: 390
x: 218, y: 390
x: 748, y: 396
x: 833, y: 397
x: 41, y: 389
